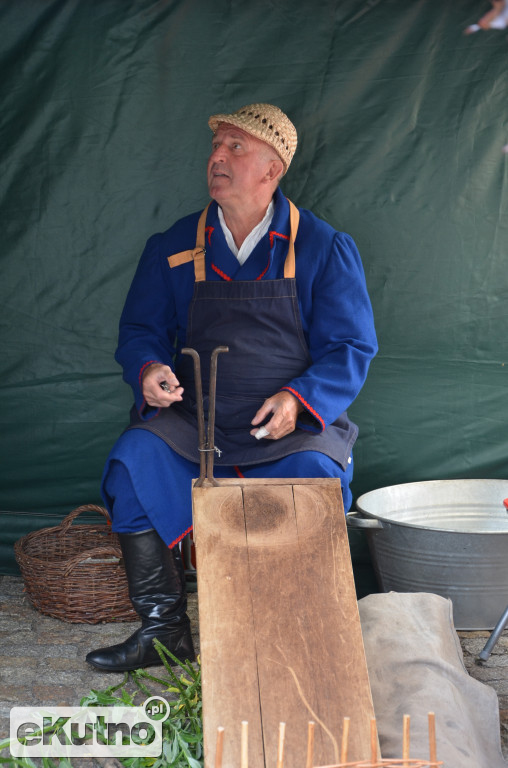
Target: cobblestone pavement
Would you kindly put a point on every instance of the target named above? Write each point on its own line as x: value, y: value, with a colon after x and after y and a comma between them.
x: 493, y: 672
x: 42, y: 659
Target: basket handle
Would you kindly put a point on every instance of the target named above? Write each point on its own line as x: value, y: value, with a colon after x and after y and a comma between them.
x: 95, y: 552
x: 67, y: 521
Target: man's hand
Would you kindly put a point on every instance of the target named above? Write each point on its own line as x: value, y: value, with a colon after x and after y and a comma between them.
x: 153, y: 393
x: 285, y: 409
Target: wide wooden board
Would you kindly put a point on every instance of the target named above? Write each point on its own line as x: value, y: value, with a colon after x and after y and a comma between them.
x: 279, y: 626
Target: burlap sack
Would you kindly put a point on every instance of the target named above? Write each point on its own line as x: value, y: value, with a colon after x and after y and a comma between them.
x: 416, y: 666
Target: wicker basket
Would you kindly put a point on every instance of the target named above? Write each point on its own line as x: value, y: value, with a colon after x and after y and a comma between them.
x: 73, y: 572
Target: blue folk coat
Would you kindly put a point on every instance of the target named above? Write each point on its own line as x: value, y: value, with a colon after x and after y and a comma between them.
x: 335, y: 309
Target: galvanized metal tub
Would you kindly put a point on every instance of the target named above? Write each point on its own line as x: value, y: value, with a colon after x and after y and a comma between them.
x: 449, y: 537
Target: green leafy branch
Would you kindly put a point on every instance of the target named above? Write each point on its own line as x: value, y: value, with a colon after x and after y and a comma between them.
x: 182, y: 731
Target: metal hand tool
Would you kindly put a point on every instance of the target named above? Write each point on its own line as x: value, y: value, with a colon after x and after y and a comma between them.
x: 206, y: 447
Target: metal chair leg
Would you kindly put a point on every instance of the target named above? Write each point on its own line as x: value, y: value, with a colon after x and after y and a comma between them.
x: 496, y: 633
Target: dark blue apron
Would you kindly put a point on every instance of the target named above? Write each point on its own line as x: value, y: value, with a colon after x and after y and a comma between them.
x: 259, y: 320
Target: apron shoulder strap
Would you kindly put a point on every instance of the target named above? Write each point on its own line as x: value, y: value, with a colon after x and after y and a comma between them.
x: 196, y: 254
x: 294, y: 220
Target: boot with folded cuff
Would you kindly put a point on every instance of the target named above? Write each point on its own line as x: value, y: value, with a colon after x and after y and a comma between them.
x: 156, y: 579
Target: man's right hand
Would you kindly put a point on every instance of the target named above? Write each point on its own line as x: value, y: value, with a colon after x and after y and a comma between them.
x: 153, y: 393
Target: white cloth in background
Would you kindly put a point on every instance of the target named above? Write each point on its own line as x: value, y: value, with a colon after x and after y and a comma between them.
x: 416, y: 666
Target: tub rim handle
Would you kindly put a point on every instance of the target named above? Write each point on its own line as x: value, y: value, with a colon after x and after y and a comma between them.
x: 353, y: 520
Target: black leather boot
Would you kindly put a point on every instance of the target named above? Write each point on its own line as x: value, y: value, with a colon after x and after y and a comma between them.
x: 156, y: 580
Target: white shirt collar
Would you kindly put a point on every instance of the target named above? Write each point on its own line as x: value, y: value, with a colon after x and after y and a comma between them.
x: 252, y: 238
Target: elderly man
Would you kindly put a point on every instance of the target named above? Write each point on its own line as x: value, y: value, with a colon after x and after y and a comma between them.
x: 286, y: 293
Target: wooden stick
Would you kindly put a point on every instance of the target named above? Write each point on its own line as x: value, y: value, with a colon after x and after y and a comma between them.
x: 373, y: 740
x: 244, y: 745
x: 280, y: 749
x: 310, y: 745
x: 405, y: 738
x: 219, y: 747
x: 432, y: 738
x: 345, y: 737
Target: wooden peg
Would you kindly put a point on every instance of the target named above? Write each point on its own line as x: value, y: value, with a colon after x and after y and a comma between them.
x: 345, y: 738
x: 432, y: 738
x: 373, y: 740
x: 280, y: 748
x: 310, y: 744
x: 244, y: 745
x: 405, y: 738
x: 219, y: 746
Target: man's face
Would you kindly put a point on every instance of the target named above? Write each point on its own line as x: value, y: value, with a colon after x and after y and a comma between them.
x: 238, y: 166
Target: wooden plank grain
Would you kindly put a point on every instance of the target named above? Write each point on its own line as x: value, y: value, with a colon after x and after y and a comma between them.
x: 310, y: 657
x: 227, y: 643
x: 341, y: 671
x: 279, y: 625
x: 287, y: 692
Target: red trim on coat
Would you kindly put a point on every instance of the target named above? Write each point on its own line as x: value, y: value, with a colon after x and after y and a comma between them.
x: 230, y: 279
x: 178, y: 540
x: 221, y: 273
x: 276, y: 234
x: 209, y: 232
x: 307, y: 406
x: 237, y: 470
x: 150, y: 362
x: 263, y: 273
x: 144, y: 405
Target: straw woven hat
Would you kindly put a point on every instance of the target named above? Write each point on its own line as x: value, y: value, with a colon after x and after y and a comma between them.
x: 265, y: 122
